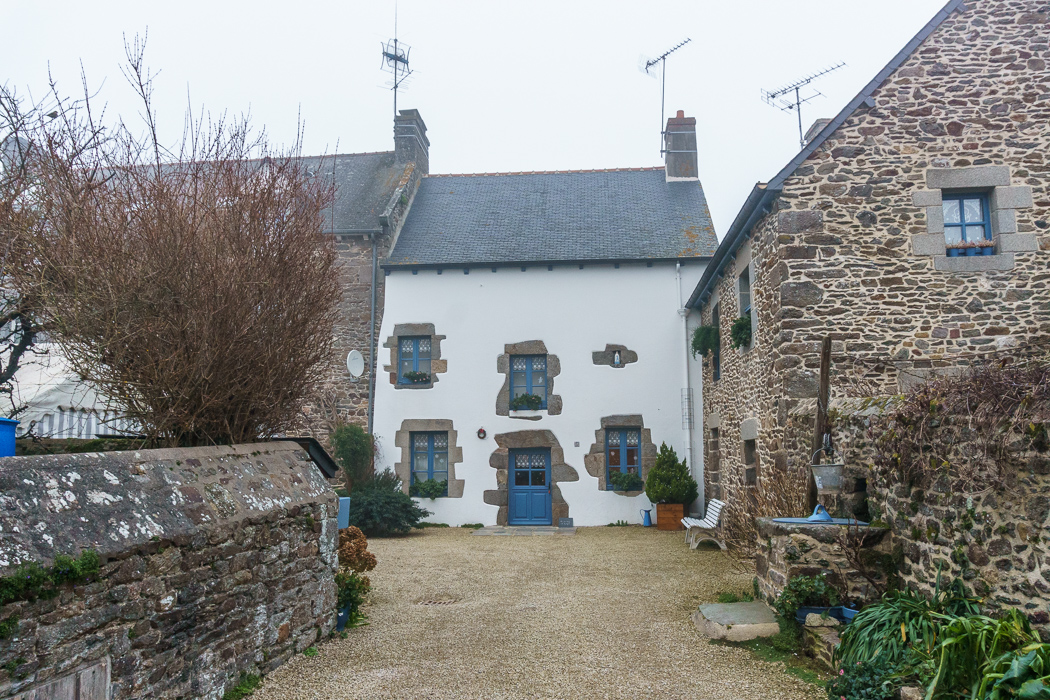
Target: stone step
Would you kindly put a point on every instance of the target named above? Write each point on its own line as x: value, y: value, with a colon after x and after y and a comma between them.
x: 736, y: 622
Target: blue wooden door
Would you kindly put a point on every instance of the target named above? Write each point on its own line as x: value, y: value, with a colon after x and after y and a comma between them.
x: 529, y: 486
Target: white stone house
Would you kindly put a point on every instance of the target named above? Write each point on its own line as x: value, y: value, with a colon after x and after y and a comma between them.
x: 564, y: 286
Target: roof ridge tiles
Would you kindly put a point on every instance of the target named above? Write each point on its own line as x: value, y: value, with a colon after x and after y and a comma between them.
x: 550, y: 172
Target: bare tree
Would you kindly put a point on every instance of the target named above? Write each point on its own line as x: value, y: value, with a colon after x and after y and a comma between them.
x: 192, y: 286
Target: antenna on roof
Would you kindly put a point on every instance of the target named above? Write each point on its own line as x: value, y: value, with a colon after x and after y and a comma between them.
x: 776, y: 97
x: 395, y: 60
x: 648, y: 66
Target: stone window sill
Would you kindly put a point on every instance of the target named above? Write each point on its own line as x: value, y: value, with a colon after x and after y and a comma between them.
x: 626, y: 494
x: 414, y: 385
x: 974, y: 263
x: 527, y: 413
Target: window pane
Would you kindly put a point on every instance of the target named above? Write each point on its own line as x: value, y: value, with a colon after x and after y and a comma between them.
x: 614, y: 438
x: 632, y: 470
x: 614, y: 470
x: 539, y: 364
x: 632, y: 456
x: 441, y: 441
x: 440, y: 476
x: 953, y: 234
x: 951, y: 211
x: 538, y: 461
x: 521, y: 478
x: 975, y: 233
x: 521, y: 461
x: 424, y: 347
x: 539, y: 381
x: 419, y: 476
x: 420, y: 441
x: 614, y: 458
x: 440, y: 461
x: 406, y: 347
x: 539, y: 478
x: 518, y: 381
x: 424, y: 365
x: 518, y: 364
x: 972, y: 210
x: 406, y: 367
x: 632, y: 438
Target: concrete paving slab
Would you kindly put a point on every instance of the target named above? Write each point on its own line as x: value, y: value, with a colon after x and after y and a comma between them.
x: 736, y: 622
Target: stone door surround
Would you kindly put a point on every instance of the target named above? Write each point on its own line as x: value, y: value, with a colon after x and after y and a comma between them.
x: 1003, y: 199
x: 500, y: 461
x: 437, y: 365
x: 403, y: 439
x: 528, y: 347
x: 594, y: 460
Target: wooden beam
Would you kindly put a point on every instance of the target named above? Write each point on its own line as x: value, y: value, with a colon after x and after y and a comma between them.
x: 821, y: 421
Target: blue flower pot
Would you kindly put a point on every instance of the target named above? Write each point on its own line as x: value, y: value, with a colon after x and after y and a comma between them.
x: 342, y: 618
x: 954, y: 252
x: 988, y: 250
x: 971, y: 252
x: 839, y: 612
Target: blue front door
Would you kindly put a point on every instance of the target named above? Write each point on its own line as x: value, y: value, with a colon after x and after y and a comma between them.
x: 530, y: 487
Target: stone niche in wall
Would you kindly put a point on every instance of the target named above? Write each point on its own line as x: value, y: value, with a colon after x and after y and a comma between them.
x: 608, y: 356
x: 215, y: 561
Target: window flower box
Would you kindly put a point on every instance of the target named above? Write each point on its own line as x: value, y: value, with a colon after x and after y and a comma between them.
x: 971, y: 249
x: 526, y: 402
x: 417, y: 377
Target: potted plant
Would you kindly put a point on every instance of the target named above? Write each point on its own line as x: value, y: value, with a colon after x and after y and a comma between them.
x: 705, y: 339
x: 417, y: 377
x: 671, y: 487
x: 351, y: 585
x: 626, y: 481
x: 431, y: 488
x: 970, y: 248
x: 740, y: 333
x: 529, y: 402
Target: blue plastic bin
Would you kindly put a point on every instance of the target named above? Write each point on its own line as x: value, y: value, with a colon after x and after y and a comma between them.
x: 344, y: 512
x: 7, y: 437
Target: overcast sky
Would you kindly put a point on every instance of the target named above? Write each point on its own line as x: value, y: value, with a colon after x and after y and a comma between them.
x: 502, y: 86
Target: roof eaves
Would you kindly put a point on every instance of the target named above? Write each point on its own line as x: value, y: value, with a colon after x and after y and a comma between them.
x: 473, y: 265
x: 762, y: 195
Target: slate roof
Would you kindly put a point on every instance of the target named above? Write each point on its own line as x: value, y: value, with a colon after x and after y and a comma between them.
x: 607, y: 215
x: 364, y: 184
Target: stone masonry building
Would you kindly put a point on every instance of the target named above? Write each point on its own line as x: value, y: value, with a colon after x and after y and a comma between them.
x: 912, y: 230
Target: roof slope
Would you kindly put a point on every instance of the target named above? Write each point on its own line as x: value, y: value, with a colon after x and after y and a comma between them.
x: 762, y: 196
x: 551, y: 217
x: 364, y: 184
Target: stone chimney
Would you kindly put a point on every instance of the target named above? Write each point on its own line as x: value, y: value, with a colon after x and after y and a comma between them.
x: 410, y: 140
x: 680, y: 149
x: 815, y: 129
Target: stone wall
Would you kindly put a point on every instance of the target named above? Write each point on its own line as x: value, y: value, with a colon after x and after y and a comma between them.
x: 215, y: 561
x: 786, y: 550
x: 845, y: 251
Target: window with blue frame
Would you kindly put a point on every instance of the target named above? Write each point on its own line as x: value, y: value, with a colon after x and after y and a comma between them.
x: 430, y: 457
x: 528, y: 376
x: 716, y: 353
x: 413, y: 360
x: 623, y: 453
x: 967, y: 224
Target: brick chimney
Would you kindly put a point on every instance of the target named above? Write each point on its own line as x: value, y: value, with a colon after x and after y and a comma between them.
x: 410, y: 140
x: 680, y: 149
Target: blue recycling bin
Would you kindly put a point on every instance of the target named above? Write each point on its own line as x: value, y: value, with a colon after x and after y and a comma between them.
x: 344, y: 512
x: 7, y: 437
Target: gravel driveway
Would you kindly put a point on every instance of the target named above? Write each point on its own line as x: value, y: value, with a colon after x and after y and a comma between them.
x: 602, y: 614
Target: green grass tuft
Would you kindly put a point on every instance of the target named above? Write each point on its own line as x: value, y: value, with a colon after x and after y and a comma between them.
x: 423, y: 525
x: 247, y: 685
x: 473, y: 526
x: 310, y: 651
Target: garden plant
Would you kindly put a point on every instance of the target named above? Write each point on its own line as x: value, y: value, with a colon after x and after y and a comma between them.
x: 380, y: 508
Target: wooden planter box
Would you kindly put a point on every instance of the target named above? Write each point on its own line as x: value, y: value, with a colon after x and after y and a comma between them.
x: 669, y: 516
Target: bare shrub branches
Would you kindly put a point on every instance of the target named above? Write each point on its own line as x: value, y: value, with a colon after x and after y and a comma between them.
x: 780, y: 493
x: 192, y: 287
x: 965, y: 428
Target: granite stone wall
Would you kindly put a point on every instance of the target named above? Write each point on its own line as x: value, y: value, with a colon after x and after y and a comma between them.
x: 846, y: 250
x: 215, y: 561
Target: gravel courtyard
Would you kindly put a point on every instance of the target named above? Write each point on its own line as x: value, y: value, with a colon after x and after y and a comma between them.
x: 602, y: 614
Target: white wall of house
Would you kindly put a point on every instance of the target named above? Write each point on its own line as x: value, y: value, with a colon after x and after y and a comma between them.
x: 574, y: 312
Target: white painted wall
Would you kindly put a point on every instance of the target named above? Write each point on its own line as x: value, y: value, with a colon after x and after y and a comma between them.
x: 575, y: 312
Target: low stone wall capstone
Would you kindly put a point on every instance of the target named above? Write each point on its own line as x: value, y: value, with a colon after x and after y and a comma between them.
x: 215, y: 561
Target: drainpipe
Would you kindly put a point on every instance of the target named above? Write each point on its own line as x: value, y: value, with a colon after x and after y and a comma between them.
x: 683, y: 311
x: 372, y: 340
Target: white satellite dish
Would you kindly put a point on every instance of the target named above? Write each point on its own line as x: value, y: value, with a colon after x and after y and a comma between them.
x: 355, y: 364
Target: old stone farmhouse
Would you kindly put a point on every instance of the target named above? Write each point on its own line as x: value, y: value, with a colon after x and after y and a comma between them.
x: 562, y: 287
x: 912, y: 230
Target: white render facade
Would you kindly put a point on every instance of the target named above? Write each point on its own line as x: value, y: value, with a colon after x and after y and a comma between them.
x: 478, y: 321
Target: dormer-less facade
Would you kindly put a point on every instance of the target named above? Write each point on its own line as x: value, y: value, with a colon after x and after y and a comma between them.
x: 532, y: 344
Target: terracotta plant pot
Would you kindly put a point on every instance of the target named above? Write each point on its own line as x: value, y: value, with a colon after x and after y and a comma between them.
x: 669, y: 516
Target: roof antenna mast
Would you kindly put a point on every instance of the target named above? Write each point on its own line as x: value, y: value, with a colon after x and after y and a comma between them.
x: 395, y: 60
x: 647, y: 66
x: 777, y: 98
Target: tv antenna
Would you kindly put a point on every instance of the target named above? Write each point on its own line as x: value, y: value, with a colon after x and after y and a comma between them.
x: 648, y: 66
x: 395, y: 60
x: 777, y: 98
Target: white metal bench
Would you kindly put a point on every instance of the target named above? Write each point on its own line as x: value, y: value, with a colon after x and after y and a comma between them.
x: 706, y: 530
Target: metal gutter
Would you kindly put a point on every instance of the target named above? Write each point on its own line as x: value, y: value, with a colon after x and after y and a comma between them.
x: 737, y: 234
x: 354, y: 231
x: 476, y: 265
x: 317, y: 452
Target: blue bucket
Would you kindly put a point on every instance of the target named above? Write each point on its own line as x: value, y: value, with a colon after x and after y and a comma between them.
x: 7, y: 437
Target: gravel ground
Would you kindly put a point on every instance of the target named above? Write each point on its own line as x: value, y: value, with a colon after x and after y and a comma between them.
x: 602, y: 614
